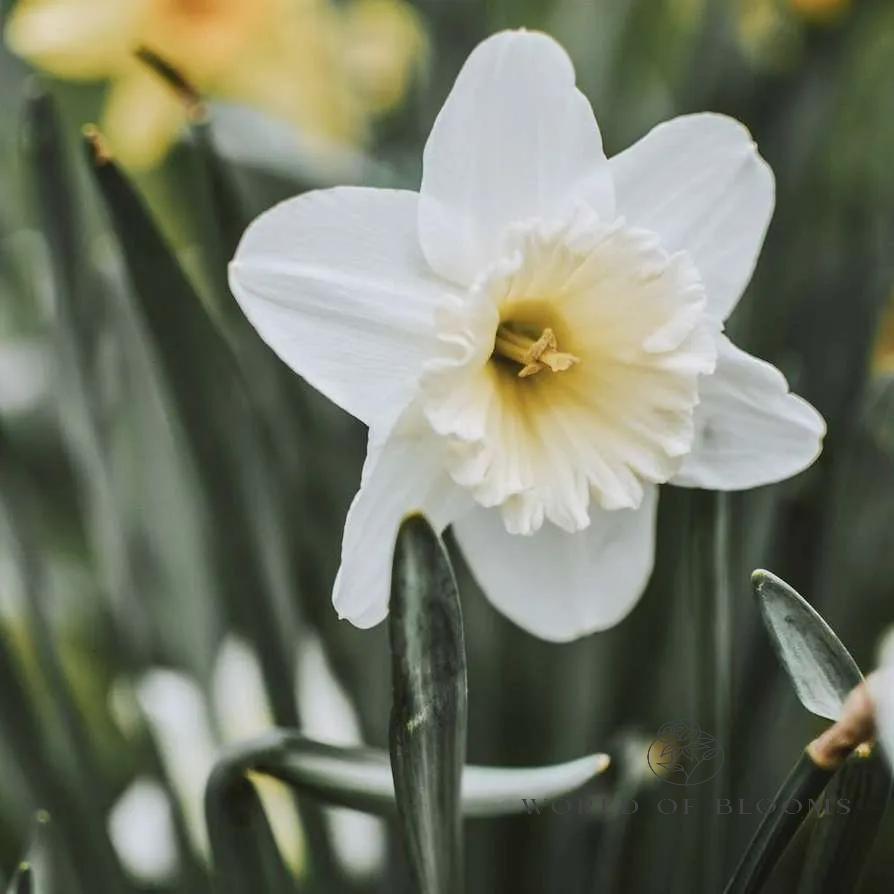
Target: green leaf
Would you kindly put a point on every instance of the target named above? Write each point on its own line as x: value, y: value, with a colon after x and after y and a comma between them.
x: 361, y: 778
x: 22, y: 881
x: 428, y: 714
x: 17, y: 508
x: 47, y: 165
x: 39, y: 871
x: 842, y: 841
x: 229, y: 218
x: 223, y: 209
x: 245, y: 855
x: 821, y: 669
x: 95, y: 342
x: 213, y: 405
x: 804, y: 783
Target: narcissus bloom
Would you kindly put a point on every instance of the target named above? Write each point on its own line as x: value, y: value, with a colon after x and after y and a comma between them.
x: 821, y: 9
x: 535, y: 339
x: 313, y: 63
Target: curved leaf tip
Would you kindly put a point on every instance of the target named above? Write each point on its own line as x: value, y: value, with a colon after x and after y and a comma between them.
x: 821, y: 669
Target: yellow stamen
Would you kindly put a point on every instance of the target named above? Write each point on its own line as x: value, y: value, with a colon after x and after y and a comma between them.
x: 532, y: 355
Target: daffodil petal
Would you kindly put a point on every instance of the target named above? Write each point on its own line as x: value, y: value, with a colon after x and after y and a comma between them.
x: 142, y: 118
x: 750, y: 430
x: 514, y: 140
x: 560, y: 586
x: 699, y: 182
x: 402, y: 474
x: 335, y: 283
x: 72, y: 39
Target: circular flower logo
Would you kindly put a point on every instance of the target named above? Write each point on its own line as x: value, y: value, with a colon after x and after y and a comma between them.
x: 684, y: 754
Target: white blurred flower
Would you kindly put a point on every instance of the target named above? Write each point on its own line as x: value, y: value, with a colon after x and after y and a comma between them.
x: 242, y: 710
x: 881, y: 685
x: 535, y: 339
x: 178, y: 717
x: 142, y: 831
x: 189, y: 732
x: 238, y: 695
x: 327, y: 714
x: 24, y: 375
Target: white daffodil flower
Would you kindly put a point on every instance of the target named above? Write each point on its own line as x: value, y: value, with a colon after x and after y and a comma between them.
x: 534, y: 339
x: 141, y: 828
x: 189, y: 729
x: 358, y: 839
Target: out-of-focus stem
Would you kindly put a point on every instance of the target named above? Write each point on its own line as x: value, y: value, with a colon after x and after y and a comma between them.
x: 704, y: 592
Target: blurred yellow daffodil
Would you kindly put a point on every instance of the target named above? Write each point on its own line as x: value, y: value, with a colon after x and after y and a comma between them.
x: 820, y: 9
x: 383, y: 41
x: 883, y: 353
x: 323, y: 67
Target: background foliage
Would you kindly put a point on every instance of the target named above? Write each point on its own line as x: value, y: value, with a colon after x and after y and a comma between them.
x: 167, y: 485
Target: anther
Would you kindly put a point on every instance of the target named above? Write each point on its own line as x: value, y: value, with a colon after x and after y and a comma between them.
x: 533, y: 356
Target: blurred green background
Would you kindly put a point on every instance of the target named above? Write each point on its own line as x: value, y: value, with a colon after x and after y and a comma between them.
x: 173, y: 497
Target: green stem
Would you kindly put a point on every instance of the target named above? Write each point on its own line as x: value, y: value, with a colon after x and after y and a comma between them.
x: 704, y: 587
x: 723, y: 651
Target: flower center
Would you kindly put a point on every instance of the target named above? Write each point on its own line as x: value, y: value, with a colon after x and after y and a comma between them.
x: 516, y: 342
x: 630, y: 318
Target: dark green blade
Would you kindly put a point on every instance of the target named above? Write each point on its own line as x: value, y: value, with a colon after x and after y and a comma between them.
x: 229, y: 219
x: 841, y: 841
x: 428, y: 714
x: 97, y: 341
x: 84, y: 795
x: 803, y: 785
x: 84, y: 779
x: 213, y: 405
x: 821, y: 669
x: 40, y: 871
x: 244, y: 852
x: 215, y: 408
x: 22, y: 881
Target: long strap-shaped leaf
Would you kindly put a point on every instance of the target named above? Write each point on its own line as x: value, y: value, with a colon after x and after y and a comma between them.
x: 804, y: 784
x: 80, y: 801
x: 429, y: 709
x: 840, y: 843
x: 36, y: 872
x: 22, y: 881
x: 248, y: 533
x: 361, y: 778
x: 821, y: 669
x: 823, y: 673
x: 245, y: 855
